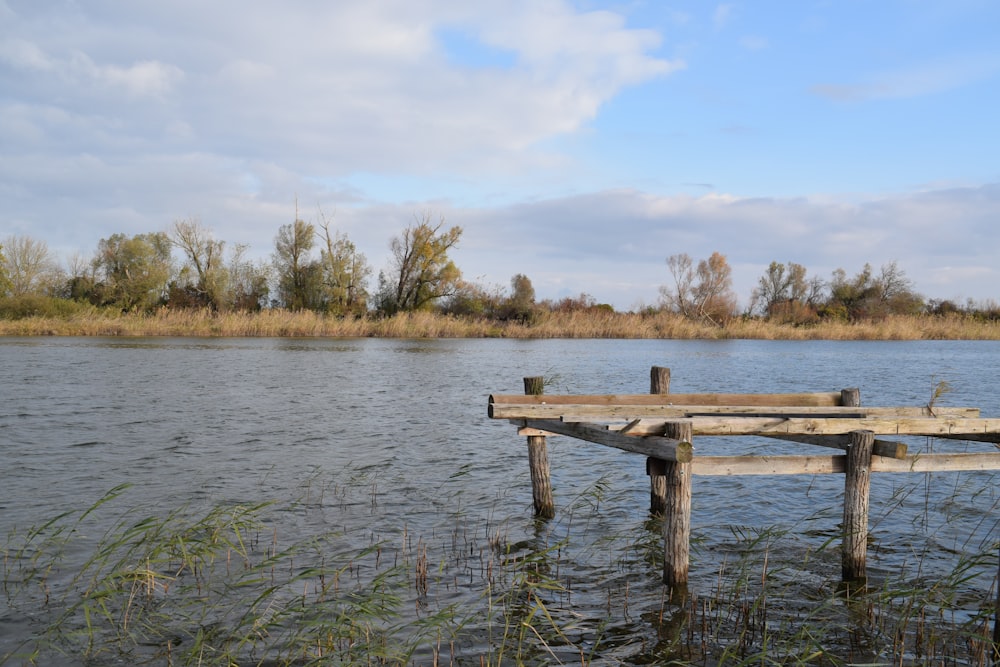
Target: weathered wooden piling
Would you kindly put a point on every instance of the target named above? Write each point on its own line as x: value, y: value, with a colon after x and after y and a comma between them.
x: 538, y: 460
x: 850, y: 398
x: 659, y: 380
x: 677, y: 511
x: 856, y: 489
x: 659, y: 383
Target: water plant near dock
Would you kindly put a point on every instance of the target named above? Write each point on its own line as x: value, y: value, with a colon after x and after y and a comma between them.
x: 218, y: 584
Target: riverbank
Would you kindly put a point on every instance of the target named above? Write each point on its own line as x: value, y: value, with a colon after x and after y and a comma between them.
x: 580, y: 324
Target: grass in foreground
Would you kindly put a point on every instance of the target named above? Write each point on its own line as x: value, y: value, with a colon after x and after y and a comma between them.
x: 218, y: 587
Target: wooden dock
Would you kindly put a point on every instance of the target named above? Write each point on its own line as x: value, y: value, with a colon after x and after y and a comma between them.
x: 663, y: 426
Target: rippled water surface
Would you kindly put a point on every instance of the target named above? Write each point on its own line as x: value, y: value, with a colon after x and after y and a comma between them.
x: 192, y: 422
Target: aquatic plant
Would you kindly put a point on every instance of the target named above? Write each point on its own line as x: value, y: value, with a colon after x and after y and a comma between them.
x: 219, y: 585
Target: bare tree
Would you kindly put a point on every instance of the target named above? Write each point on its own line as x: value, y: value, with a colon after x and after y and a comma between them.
x: 713, y: 292
x: 4, y: 280
x: 680, y: 299
x: 204, y: 256
x: 702, y: 293
x: 248, y: 280
x: 345, y: 273
x: 896, y: 292
x: 28, y: 266
x: 785, y: 287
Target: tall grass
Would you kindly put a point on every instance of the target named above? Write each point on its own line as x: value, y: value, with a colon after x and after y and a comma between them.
x: 220, y: 585
x: 576, y: 324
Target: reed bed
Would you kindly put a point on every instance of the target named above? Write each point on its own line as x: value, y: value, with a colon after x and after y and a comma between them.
x: 576, y: 324
x: 221, y: 585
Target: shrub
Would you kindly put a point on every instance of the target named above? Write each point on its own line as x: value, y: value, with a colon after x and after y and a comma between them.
x: 36, y: 305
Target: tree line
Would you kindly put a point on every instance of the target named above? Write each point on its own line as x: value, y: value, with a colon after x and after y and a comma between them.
x: 785, y: 293
x: 312, y: 267
x: 315, y: 267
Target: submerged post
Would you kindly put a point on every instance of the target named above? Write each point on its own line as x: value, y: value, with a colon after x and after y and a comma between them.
x: 677, y: 511
x: 538, y: 460
x: 856, y: 488
x: 659, y: 383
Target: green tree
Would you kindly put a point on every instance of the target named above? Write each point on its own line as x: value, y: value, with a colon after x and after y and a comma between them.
x: 204, y: 276
x: 422, y: 270
x: 29, y: 267
x: 871, y: 296
x: 136, y: 271
x: 345, y: 274
x: 299, y: 282
x: 474, y: 300
x: 521, y: 304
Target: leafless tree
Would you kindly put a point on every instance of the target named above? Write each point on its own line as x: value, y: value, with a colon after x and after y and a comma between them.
x: 29, y: 266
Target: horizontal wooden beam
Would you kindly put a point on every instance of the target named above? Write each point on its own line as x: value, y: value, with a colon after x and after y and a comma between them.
x: 584, y: 412
x: 979, y: 437
x: 878, y: 425
x: 895, y: 450
x: 815, y: 399
x: 819, y: 465
x: 955, y: 428
x: 655, y: 446
x: 888, y: 448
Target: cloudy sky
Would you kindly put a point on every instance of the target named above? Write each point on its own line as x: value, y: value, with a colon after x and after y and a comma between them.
x: 578, y: 142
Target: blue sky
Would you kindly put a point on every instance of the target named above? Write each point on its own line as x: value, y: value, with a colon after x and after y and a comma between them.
x: 579, y: 143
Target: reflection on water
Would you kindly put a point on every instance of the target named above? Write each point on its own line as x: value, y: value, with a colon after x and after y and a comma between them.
x: 207, y: 421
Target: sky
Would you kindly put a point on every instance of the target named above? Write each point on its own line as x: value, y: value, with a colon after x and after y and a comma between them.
x: 580, y: 143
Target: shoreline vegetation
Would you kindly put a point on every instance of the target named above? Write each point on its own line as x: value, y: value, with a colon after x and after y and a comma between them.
x: 594, y: 323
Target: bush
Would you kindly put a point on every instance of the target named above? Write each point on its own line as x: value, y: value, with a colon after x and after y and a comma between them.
x: 36, y: 305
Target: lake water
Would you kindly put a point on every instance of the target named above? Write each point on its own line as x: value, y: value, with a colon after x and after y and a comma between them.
x: 399, y: 427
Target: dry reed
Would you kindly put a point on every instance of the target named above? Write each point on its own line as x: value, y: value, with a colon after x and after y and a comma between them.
x: 577, y: 324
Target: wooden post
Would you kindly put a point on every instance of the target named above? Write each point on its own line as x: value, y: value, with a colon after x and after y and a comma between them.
x: 659, y: 380
x: 850, y: 398
x: 677, y: 512
x: 538, y: 460
x: 659, y: 383
x: 856, y: 487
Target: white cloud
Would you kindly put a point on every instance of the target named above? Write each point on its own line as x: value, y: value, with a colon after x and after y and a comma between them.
x: 146, y: 78
x: 349, y: 87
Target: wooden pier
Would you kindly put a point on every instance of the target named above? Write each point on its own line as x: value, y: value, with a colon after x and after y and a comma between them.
x: 662, y: 426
